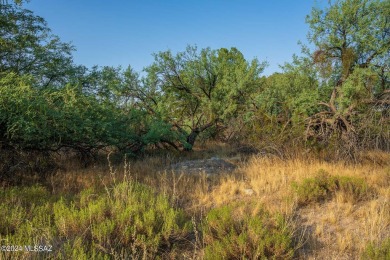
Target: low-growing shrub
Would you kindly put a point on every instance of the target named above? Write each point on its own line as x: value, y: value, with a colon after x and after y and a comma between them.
x: 125, y: 221
x: 378, y: 252
x: 228, y: 235
x: 24, y: 196
x: 18, y: 204
x: 129, y: 218
x: 323, y: 187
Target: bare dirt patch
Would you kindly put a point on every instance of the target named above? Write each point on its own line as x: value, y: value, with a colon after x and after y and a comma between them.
x: 209, y: 166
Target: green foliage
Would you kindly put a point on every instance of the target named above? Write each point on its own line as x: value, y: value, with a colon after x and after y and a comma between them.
x: 284, y: 103
x: 359, y: 22
x: 354, y: 88
x: 379, y: 252
x: 47, y: 103
x: 294, y: 92
x: 129, y: 220
x: 323, y: 187
x: 336, y: 97
x: 27, y: 47
x: 228, y: 235
x: 200, y: 89
x: 50, y: 119
x: 352, y: 57
x: 160, y: 131
x: 18, y: 204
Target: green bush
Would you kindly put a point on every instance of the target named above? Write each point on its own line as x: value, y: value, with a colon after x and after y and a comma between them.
x: 228, y: 235
x: 125, y: 221
x: 323, y: 187
x: 17, y: 204
x: 378, y: 252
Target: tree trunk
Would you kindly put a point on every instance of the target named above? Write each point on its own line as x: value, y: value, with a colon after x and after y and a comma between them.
x: 191, y: 138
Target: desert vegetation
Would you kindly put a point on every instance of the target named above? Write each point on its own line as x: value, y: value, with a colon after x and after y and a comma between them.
x: 87, y: 154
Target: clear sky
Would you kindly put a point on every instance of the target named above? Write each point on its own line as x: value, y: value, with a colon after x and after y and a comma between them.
x: 120, y: 32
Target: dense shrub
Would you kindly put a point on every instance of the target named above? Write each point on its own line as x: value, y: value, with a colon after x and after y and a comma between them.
x: 228, y: 235
x: 128, y: 220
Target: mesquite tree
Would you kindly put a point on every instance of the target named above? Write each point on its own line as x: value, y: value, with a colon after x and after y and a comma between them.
x: 352, y: 40
x: 195, y: 90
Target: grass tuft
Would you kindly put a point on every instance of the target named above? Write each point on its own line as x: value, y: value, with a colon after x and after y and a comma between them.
x: 324, y: 187
x: 378, y: 252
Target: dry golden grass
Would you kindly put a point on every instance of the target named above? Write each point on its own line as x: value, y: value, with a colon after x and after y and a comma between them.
x: 343, y: 228
x: 336, y: 229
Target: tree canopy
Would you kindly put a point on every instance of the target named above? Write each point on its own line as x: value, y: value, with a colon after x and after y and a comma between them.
x: 27, y: 47
x: 196, y: 90
x: 334, y: 97
x: 352, y: 40
x: 47, y: 103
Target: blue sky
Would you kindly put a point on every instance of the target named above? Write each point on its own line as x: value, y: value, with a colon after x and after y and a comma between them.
x: 128, y: 32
